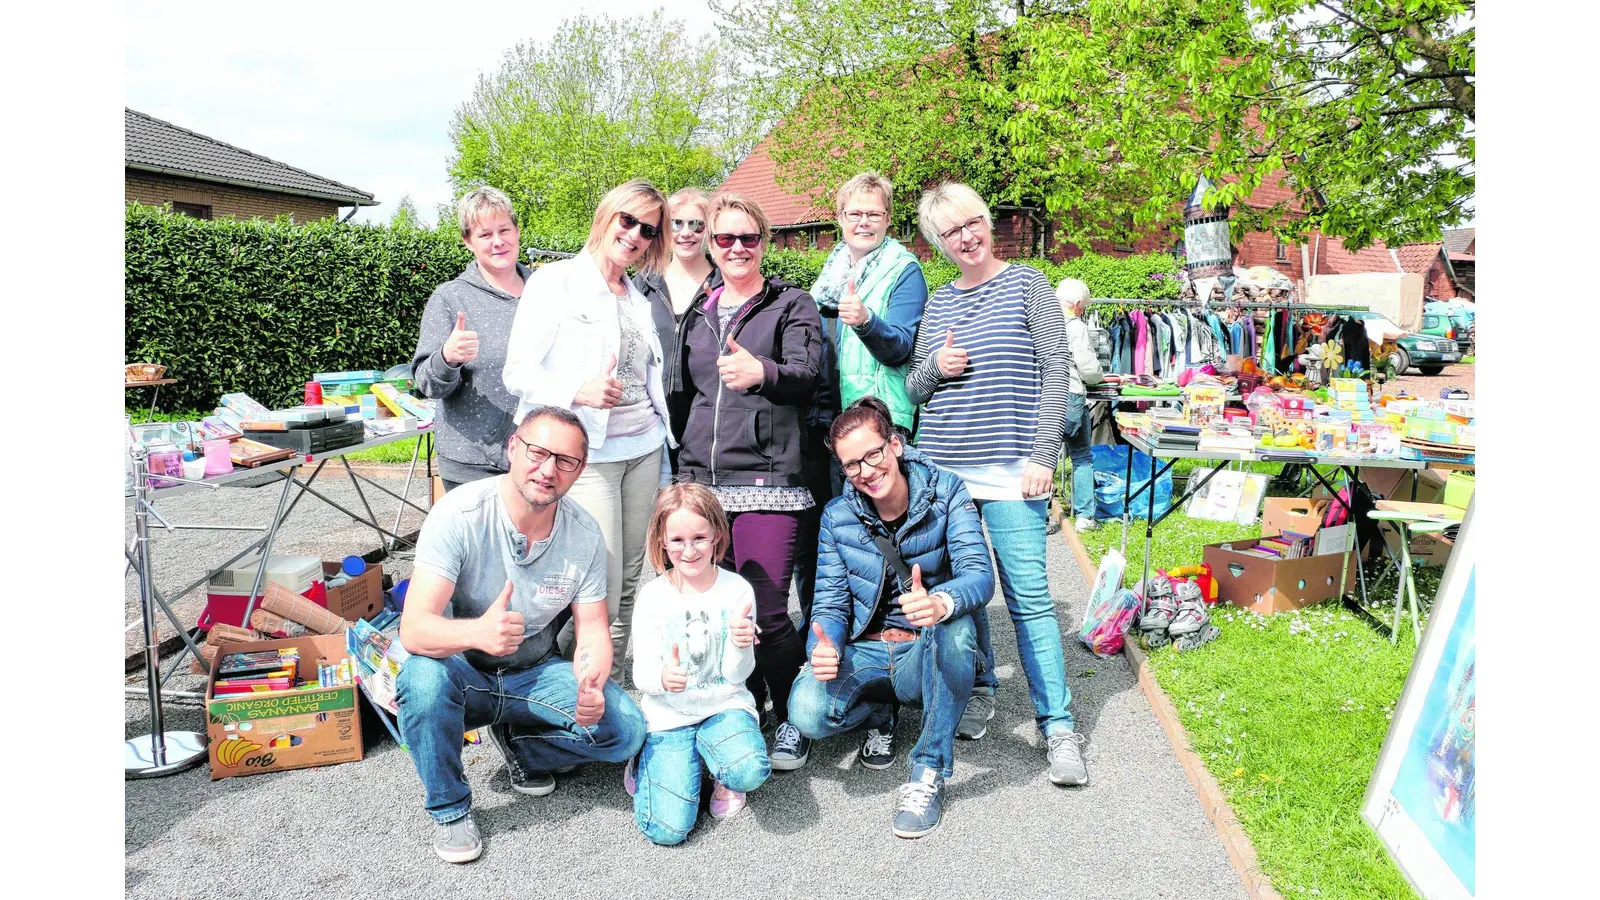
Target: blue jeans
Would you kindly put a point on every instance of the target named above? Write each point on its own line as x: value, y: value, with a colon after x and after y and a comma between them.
x: 668, y: 799
x: 1079, y: 434
x: 440, y: 699
x: 1016, y: 531
x: 934, y: 671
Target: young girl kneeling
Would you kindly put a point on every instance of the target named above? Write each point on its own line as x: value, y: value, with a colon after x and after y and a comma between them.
x: 692, y: 651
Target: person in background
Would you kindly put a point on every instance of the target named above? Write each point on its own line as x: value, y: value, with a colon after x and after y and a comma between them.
x: 462, y: 346
x: 991, y: 371
x: 688, y: 276
x: 752, y: 357
x: 870, y: 295
x: 694, y: 637
x: 500, y: 563
x: 584, y: 340
x: 1084, y: 370
x: 903, y: 565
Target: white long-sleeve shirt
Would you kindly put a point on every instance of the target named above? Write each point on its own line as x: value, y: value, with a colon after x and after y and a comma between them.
x: 697, y: 624
x: 1085, y: 369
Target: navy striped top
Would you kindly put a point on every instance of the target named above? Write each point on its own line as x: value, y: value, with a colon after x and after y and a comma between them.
x: 1011, y: 402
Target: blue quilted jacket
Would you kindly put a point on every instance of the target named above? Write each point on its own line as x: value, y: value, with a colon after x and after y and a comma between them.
x: 942, y: 534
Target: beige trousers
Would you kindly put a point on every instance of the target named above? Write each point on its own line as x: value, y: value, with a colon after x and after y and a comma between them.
x: 621, y: 496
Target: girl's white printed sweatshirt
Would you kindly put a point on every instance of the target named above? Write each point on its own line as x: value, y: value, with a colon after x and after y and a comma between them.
x: 697, y: 624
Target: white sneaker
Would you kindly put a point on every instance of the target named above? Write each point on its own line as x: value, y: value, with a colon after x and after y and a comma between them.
x: 1084, y: 523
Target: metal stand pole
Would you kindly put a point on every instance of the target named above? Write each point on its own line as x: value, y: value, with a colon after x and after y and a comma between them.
x: 160, y: 752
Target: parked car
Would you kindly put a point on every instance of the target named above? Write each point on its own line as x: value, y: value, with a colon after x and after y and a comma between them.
x: 1453, y: 319
x: 1429, y: 353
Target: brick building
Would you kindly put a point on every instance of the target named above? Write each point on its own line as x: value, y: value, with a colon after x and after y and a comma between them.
x: 1441, y: 273
x: 203, y: 177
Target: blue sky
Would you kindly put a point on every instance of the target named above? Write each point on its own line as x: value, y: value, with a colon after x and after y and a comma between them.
x: 357, y: 91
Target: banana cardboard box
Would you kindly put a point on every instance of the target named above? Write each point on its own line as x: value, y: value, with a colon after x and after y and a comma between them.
x: 276, y: 730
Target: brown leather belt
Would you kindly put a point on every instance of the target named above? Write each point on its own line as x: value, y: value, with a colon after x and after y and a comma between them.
x: 895, y: 635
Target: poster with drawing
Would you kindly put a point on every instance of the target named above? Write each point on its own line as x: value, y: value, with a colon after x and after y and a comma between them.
x: 1421, y: 799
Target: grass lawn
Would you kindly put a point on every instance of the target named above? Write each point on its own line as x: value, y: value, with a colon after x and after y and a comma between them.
x: 397, y: 452
x: 1469, y: 359
x: 1289, y: 713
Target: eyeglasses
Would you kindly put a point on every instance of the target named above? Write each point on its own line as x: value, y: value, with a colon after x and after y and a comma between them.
x: 537, y: 455
x: 872, y: 459
x: 700, y: 545
x: 974, y: 225
x: 855, y: 216
x: 725, y: 240
x: 694, y: 225
x: 646, y: 230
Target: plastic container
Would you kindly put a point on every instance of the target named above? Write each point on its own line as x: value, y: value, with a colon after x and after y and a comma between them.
x: 354, y: 566
x: 218, y: 462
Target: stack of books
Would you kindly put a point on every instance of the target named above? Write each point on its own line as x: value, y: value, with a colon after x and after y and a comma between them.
x: 1289, y: 545
x: 263, y: 670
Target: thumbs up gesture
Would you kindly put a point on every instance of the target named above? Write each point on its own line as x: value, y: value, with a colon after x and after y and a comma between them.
x: 501, y: 628
x: 851, y: 312
x: 674, y: 677
x: 921, y: 607
x: 742, y: 630
x: 602, y: 391
x: 591, y: 696
x: 952, y: 359
x: 824, y: 656
x: 461, y: 347
x: 738, y: 368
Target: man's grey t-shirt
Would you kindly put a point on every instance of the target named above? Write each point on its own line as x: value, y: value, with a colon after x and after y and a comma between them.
x: 468, y: 538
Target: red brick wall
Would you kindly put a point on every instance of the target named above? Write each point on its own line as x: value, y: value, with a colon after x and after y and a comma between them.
x: 226, y: 201
x: 1436, y: 283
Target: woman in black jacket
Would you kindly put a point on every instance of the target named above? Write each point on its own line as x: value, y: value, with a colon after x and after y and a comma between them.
x: 752, y: 356
x: 687, y: 277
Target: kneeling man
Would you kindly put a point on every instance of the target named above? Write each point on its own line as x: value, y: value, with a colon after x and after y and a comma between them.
x: 902, y: 564
x: 498, y: 561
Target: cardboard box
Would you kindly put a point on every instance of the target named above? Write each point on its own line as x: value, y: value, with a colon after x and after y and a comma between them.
x: 359, y: 598
x: 283, y: 729
x: 1270, y: 586
x: 1295, y: 514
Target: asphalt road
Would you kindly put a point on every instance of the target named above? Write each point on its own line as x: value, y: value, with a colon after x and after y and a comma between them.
x: 1136, y: 830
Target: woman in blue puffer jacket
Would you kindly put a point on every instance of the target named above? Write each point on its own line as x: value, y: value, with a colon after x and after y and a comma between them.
x: 901, y: 565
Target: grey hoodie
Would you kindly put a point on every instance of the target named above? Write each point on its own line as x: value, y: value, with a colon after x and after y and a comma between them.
x: 474, y: 419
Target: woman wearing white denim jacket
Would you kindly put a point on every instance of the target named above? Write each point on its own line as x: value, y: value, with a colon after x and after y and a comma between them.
x: 1084, y: 371
x: 583, y: 340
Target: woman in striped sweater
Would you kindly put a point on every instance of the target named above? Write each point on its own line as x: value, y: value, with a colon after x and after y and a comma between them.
x: 991, y: 371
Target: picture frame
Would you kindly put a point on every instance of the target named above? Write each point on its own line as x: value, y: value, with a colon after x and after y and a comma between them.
x: 1421, y: 798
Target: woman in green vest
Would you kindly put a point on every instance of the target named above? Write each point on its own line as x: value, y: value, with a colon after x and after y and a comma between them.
x: 870, y: 295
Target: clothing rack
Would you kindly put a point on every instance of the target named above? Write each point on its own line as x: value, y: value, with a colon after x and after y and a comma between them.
x: 1290, y: 305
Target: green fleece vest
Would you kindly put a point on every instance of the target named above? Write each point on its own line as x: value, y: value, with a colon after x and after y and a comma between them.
x: 860, y: 373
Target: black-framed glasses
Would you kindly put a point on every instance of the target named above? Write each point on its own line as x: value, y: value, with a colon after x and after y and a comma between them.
x: 872, y: 460
x: 974, y: 225
x: 630, y: 222
x: 855, y: 216
x: 700, y: 545
x: 537, y: 455
x: 694, y: 225
x: 725, y: 240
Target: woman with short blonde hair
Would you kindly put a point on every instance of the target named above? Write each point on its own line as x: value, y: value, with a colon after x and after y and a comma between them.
x: 991, y: 371
x: 584, y: 340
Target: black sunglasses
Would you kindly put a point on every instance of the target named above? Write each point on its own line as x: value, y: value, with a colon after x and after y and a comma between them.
x: 646, y: 230
x: 694, y: 225
x: 725, y: 240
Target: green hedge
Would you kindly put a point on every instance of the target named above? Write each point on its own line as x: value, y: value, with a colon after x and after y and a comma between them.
x: 259, y: 306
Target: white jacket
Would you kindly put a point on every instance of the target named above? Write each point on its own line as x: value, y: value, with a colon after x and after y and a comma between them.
x: 566, y: 325
x: 1085, y: 369
x: 696, y: 624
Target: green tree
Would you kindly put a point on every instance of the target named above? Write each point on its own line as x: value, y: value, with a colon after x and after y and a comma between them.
x: 562, y: 122
x: 405, y: 214
x: 1105, y: 111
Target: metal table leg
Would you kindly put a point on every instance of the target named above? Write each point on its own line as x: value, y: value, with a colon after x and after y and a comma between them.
x: 1127, y: 481
x: 406, y: 491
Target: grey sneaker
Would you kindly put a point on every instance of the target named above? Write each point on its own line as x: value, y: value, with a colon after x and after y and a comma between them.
x: 1064, y: 749
x: 790, y: 748
x: 919, y: 803
x: 877, y: 748
x: 458, y: 842
x: 975, y: 718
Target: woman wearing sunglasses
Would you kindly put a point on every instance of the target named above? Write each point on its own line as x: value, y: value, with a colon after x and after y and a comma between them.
x: 584, y: 340
x: 991, y: 372
x: 752, y: 355
x: 687, y: 276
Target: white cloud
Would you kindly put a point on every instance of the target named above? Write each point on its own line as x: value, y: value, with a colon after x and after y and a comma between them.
x: 357, y: 91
